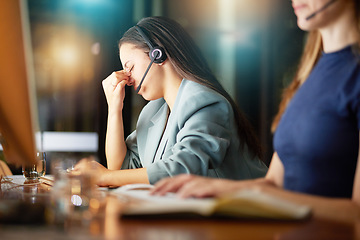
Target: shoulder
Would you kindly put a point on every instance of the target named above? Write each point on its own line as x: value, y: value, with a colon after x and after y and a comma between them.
x: 193, y: 97
x: 197, y: 93
x: 349, y: 81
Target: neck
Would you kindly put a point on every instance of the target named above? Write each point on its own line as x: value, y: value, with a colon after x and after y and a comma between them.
x: 341, y: 33
x: 171, y: 87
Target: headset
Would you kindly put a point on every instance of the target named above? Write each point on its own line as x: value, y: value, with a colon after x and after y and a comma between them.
x: 330, y: 2
x: 156, y: 53
x: 154, y: 49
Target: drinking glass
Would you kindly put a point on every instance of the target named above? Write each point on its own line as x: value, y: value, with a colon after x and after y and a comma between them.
x: 33, y: 172
x: 72, y: 191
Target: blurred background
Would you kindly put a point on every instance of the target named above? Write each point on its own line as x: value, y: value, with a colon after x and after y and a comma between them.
x: 253, y: 47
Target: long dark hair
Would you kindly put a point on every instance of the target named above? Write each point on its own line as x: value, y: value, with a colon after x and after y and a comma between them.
x: 189, y: 63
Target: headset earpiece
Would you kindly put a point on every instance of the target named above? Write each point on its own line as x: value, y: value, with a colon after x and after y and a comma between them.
x: 156, y: 53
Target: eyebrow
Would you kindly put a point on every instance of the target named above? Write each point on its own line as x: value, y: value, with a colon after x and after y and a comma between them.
x: 125, y: 67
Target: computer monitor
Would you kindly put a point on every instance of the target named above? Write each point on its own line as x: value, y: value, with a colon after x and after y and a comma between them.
x: 18, y: 115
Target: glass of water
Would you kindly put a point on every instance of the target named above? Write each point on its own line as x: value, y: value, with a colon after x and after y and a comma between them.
x: 35, y: 171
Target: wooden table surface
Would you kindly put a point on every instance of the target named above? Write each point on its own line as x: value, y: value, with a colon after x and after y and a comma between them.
x: 106, y: 223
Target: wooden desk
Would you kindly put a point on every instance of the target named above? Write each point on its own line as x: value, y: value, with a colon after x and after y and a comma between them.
x: 108, y: 225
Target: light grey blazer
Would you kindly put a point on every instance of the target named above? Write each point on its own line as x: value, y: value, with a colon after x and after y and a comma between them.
x: 199, y: 136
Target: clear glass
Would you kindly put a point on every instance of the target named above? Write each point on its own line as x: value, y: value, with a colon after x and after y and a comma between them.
x: 72, y: 192
x: 37, y: 170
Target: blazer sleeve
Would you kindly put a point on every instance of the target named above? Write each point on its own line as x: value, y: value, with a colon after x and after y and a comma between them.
x: 132, y: 159
x: 203, y: 137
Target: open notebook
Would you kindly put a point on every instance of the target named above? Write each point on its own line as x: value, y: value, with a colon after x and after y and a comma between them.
x: 243, y: 204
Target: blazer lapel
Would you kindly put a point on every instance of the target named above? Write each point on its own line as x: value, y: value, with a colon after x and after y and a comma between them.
x: 154, y: 134
x: 170, y: 125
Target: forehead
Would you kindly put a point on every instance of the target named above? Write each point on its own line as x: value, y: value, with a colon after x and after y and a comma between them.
x: 129, y: 52
x: 128, y: 49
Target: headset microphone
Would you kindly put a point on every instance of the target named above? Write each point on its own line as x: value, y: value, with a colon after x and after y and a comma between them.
x: 148, y: 68
x: 320, y: 10
x: 156, y: 53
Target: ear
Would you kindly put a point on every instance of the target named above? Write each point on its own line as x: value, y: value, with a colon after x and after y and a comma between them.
x: 160, y: 64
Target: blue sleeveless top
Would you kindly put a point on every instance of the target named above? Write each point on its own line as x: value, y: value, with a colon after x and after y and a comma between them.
x: 317, y: 138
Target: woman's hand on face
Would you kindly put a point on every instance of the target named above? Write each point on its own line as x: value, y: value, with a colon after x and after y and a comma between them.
x: 186, y: 185
x: 114, y: 88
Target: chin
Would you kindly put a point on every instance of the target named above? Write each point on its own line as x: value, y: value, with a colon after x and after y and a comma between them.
x: 150, y: 98
x: 145, y: 96
x: 304, y: 25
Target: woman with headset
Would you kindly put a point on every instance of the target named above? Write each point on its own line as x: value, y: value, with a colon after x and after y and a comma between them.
x: 190, y: 125
x: 316, y: 140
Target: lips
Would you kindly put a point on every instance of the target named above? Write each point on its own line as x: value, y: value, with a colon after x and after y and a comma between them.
x: 298, y: 7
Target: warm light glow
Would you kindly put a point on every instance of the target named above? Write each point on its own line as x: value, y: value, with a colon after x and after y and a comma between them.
x: 95, y: 48
x: 67, y: 55
x: 76, y: 200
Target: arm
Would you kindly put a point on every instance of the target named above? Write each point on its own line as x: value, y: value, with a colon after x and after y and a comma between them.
x: 356, y: 187
x: 115, y: 147
x: 123, y: 177
x: 338, y: 209
x: 104, y: 177
x: 194, y: 186
x: 275, y: 174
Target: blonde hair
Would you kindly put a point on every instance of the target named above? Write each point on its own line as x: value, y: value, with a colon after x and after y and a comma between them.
x: 311, y: 55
